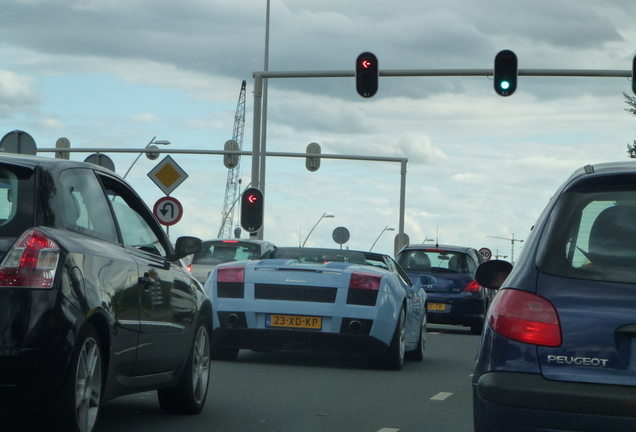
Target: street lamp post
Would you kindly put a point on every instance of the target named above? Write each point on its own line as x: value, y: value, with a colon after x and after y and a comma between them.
x: 312, y: 230
x: 152, y: 141
x: 386, y: 228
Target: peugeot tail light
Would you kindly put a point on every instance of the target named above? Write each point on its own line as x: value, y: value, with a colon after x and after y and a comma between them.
x: 525, y: 317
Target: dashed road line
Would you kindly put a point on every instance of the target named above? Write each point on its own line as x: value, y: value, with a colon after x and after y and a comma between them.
x: 441, y: 396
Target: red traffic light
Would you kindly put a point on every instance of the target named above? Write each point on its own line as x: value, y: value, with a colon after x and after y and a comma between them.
x: 252, y: 209
x: 367, y: 74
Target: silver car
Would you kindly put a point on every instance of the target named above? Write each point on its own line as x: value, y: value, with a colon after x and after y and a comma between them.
x: 217, y: 251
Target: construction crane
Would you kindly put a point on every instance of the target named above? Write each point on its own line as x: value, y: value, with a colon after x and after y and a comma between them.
x: 512, y: 241
x: 233, y: 181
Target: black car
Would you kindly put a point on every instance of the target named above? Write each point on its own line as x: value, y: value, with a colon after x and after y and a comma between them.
x: 456, y: 298
x: 95, y: 302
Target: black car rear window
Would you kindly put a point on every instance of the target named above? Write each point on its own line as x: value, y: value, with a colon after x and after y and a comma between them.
x: 17, y: 199
x: 591, y: 234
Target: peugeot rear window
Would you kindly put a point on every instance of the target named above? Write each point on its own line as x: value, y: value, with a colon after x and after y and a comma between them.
x: 592, y: 235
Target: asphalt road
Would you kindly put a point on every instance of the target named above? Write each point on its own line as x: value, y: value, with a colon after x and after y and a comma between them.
x: 301, y: 392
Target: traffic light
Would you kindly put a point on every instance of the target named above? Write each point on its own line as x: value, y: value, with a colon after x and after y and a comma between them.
x: 505, y: 73
x: 367, y: 73
x: 252, y: 209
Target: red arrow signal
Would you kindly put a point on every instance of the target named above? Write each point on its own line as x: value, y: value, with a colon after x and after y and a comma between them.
x: 252, y: 198
x: 366, y: 64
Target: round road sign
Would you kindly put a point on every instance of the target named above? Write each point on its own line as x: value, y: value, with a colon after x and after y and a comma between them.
x: 341, y: 235
x: 485, y: 253
x: 168, y: 210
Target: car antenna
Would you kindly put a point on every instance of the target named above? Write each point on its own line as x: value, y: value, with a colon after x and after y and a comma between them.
x: 436, y: 236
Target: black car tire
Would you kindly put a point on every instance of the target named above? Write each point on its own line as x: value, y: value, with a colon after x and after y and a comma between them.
x: 188, y: 397
x: 418, y: 353
x: 394, y: 357
x: 77, y: 407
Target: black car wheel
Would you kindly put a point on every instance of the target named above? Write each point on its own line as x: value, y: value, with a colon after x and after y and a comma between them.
x: 188, y: 397
x: 77, y: 407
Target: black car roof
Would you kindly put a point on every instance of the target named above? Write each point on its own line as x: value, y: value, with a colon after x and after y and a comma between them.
x: 51, y: 164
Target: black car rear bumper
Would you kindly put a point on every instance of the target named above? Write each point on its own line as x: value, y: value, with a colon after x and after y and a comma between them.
x: 36, y: 340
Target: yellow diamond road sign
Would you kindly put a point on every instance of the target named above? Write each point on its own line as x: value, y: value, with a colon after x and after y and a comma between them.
x: 167, y: 175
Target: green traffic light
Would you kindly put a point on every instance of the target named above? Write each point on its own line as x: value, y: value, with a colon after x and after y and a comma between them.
x: 505, y: 85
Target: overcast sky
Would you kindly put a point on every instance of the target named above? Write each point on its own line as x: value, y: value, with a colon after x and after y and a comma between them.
x: 116, y: 73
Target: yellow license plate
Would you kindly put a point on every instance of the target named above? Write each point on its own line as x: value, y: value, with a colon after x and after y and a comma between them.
x: 437, y: 306
x: 294, y: 321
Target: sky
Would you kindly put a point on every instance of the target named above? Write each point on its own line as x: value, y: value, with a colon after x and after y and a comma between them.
x: 481, y: 167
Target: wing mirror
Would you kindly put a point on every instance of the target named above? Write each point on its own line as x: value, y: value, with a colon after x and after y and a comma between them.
x: 492, y: 274
x: 187, y: 246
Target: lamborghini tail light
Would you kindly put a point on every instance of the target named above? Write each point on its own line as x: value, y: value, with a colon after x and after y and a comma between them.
x: 361, y: 280
x: 230, y: 274
x: 31, y: 261
x: 363, y: 288
x: 230, y: 282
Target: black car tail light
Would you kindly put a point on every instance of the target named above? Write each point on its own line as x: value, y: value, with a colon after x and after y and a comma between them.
x: 31, y: 262
x: 473, y: 287
x: 363, y: 288
x: 525, y: 317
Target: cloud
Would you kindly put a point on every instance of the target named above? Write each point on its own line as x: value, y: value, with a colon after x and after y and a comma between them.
x: 16, y: 93
x: 145, y: 118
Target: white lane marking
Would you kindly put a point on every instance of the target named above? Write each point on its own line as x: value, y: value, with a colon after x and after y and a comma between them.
x: 388, y: 430
x: 441, y: 396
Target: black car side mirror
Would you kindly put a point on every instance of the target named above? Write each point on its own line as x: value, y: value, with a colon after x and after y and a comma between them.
x: 492, y: 274
x: 187, y: 246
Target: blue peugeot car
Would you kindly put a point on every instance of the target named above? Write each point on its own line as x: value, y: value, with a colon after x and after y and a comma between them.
x: 558, y: 351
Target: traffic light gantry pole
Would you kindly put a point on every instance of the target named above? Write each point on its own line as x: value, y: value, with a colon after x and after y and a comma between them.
x: 258, y: 161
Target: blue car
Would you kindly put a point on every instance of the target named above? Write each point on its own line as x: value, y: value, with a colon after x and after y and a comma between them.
x: 455, y: 298
x: 558, y: 352
x: 322, y: 299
